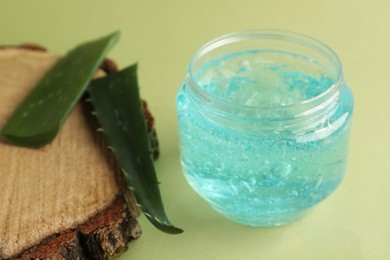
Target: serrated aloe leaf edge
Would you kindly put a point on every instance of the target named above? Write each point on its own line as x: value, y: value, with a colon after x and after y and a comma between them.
x: 119, y: 110
x: 40, y: 116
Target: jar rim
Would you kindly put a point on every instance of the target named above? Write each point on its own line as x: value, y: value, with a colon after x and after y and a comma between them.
x: 283, y: 35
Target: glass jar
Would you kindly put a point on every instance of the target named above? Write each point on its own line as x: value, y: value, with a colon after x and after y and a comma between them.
x: 264, y: 121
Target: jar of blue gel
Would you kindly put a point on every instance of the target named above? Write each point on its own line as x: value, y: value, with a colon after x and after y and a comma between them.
x: 264, y: 121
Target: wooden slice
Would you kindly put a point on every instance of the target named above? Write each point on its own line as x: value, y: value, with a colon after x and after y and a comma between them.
x: 61, y: 201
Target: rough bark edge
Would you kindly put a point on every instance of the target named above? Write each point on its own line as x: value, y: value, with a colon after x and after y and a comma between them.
x: 103, y: 236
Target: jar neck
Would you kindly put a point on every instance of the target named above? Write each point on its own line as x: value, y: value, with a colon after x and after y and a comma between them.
x: 299, y: 115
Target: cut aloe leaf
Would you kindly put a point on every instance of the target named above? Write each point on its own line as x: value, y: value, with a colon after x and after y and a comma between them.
x: 38, y: 119
x: 119, y: 110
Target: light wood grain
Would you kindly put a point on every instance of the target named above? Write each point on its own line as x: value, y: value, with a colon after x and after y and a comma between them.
x: 44, y: 191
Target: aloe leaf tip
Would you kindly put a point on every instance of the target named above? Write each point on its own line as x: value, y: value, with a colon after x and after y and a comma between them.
x: 166, y: 227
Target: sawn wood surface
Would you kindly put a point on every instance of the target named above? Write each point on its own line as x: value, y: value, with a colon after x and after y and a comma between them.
x: 48, y: 190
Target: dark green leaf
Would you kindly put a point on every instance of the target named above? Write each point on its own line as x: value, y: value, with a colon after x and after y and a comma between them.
x: 119, y: 110
x: 38, y: 119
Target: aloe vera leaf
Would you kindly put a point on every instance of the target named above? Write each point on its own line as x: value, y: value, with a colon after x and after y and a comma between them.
x: 119, y: 110
x: 39, y: 117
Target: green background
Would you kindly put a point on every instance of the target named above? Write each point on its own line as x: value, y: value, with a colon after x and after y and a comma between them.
x: 162, y: 35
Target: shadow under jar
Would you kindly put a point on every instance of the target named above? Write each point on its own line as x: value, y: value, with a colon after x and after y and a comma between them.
x: 264, y: 121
